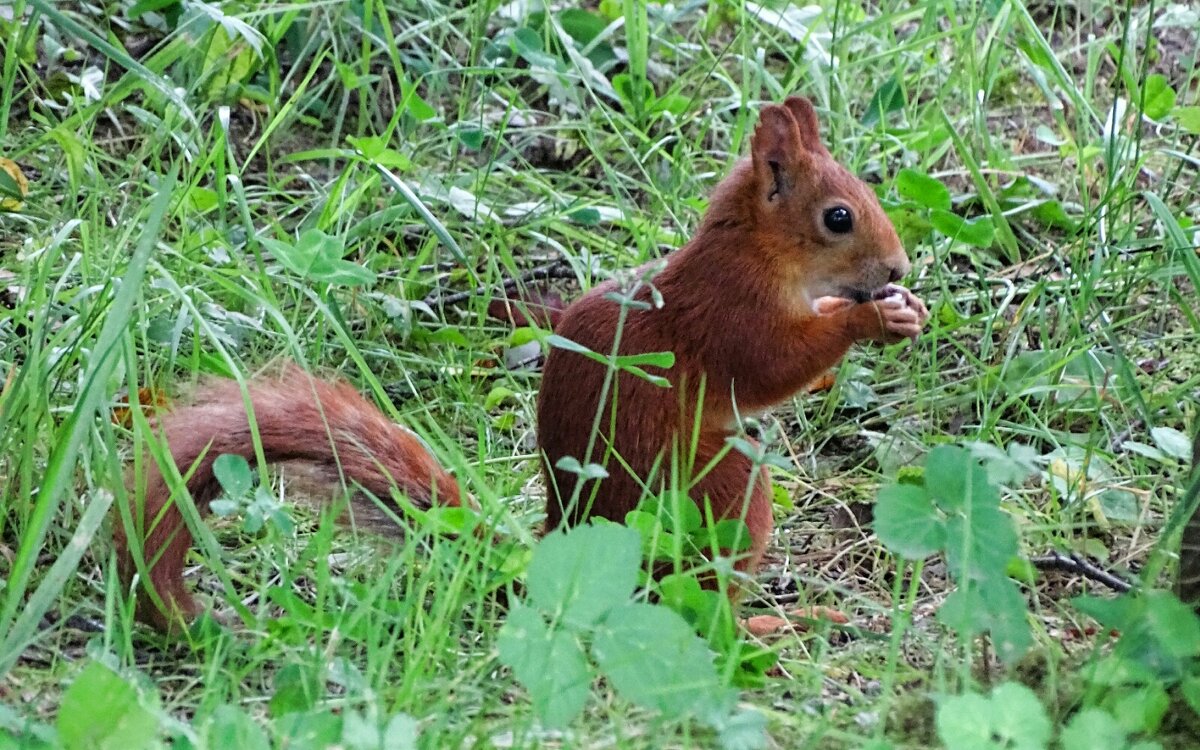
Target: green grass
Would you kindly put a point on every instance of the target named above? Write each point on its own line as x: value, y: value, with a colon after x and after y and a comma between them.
x: 449, y: 147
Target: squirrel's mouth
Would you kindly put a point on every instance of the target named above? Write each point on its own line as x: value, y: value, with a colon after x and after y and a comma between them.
x: 866, y: 295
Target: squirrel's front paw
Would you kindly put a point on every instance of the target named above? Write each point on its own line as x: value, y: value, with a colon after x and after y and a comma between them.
x: 830, y: 305
x: 900, y: 315
x: 910, y: 299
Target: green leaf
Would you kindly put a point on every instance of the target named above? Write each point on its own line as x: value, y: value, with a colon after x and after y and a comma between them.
x: 963, y: 612
x: 888, y: 98
x: 472, y: 138
x: 731, y: 535
x: 582, y: 26
x: 744, y: 730
x: 297, y: 687
x: 319, y: 247
x: 588, y: 217
x: 550, y: 664
x: 907, y: 522
x: 310, y: 730
x: 200, y: 198
x: 657, y: 543
x: 1011, y: 467
x: 589, y: 471
x: 979, y: 545
x: 962, y: 723
x: 561, y: 342
x: 412, y: 103
x: 1140, y: 708
x: 957, y: 481
x: 1019, y: 717
x: 912, y: 225
x: 1119, y: 505
x: 318, y: 256
x: 343, y: 273
x: 923, y: 189
x: 101, y: 711
x: 577, y: 576
x: 655, y: 659
x: 1092, y: 728
x: 1052, y: 214
x: 1012, y: 718
x: 229, y: 726
x: 978, y: 232
x: 707, y: 611
x: 147, y: 6
x: 1140, y: 448
x: 677, y: 512
x: 665, y: 360
x: 498, y: 395
x: 1172, y: 442
x: 675, y: 104
x: 9, y: 187
x: 947, y: 475
x: 375, y: 149
x: 1189, y: 688
x: 528, y: 44
x: 1006, y: 618
x: 401, y: 733
x: 1159, y: 97
x: 1188, y: 119
x: 1111, y: 613
x: 1172, y: 624
x: 233, y: 472
x: 222, y: 508
x: 656, y: 380
x: 297, y: 260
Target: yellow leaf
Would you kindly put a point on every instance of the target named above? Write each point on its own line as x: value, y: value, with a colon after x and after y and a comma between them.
x: 13, y: 171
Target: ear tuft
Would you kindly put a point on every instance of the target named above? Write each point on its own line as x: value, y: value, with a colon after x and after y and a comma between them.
x: 776, y: 138
x: 775, y: 149
x: 802, y: 111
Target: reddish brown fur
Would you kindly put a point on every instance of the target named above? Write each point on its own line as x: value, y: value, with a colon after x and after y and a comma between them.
x: 299, y: 418
x: 747, y: 314
x: 738, y: 314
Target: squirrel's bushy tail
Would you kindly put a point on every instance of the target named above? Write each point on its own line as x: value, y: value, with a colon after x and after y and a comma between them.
x: 328, y: 426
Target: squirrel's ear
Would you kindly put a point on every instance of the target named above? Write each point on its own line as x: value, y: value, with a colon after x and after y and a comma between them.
x: 806, y: 121
x: 776, y: 150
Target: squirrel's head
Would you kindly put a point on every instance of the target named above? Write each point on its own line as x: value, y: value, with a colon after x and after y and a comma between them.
x: 823, y: 227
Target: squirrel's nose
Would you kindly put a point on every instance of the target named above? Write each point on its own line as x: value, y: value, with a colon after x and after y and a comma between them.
x: 900, y: 270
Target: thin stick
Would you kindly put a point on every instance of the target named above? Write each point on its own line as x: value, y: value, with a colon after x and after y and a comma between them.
x: 1073, y: 563
x: 557, y: 269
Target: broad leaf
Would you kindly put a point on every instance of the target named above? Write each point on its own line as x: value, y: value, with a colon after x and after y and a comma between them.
x: 978, y: 232
x: 232, y: 727
x: 1092, y: 728
x: 101, y: 710
x: 923, y: 189
x: 550, y: 664
x: 907, y: 522
x: 1159, y: 97
x: 655, y: 659
x: 578, y: 576
x: 233, y: 472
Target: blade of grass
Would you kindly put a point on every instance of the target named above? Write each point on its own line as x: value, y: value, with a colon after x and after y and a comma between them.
x: 114, y: 53
x: 26, y: 625
x: 60, y: 469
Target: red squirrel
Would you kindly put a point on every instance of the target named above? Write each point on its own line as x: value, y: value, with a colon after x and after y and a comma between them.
x: 794, y: 261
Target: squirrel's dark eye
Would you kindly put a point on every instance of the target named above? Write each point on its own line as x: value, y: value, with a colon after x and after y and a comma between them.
x: 838, y: 220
